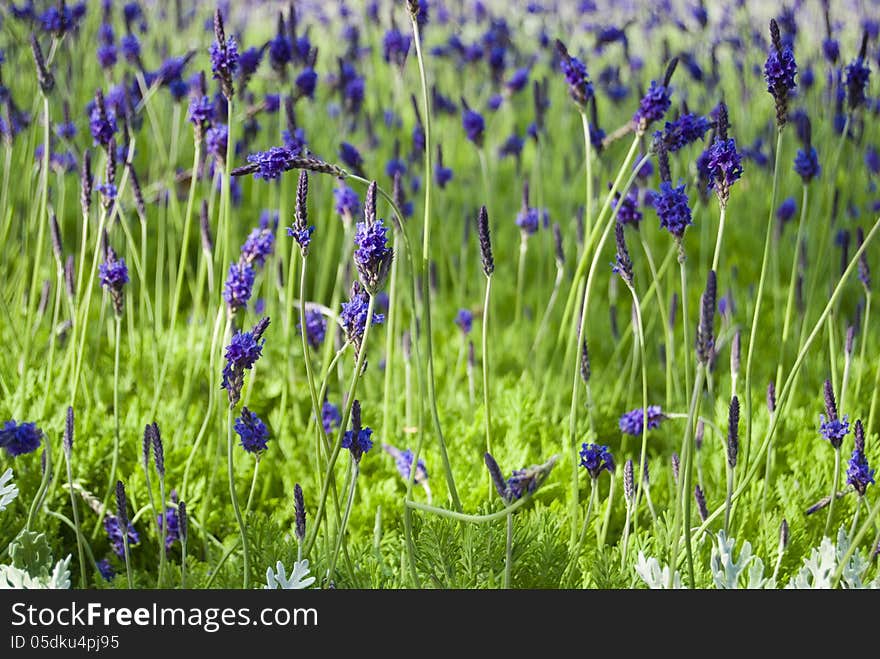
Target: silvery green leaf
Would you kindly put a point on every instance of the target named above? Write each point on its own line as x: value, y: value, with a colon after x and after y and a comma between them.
x: 726, y: 570
x: 13, y: 577
x: 299, y: 579
x: 8, y: 489
x: 756, y: 576
x: 653, y: 575
x: 818, y: 570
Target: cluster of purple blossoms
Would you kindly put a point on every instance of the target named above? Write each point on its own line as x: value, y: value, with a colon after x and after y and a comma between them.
x: 671, y: 204
x: 832, y: 427
x: 115, y: 534
x: 257, y: 247
x: 780, y: 70
x: 306, y: 82
x: 239, y: 285
x: 724, y: 167
x: 627, y: 209
x: 857, y: 75
x: 858, y: 473
x: 596, y: 458
x: 330, y: 416
x: 241, y: 354
x: 521, y: 481
x: 685, y: 130
x: 579, y: 86
x: 403, y: 460
x: 653, y: 106
x: 20, y: 438
x: 252, y: 432
x: 442, y: 175
x: 359, y: 439
x: 473, y: 124
x: 354, y: 314
x: 348, y: 204
x: 113, y: 275
x: 464, y: 319
x: 373, y: 254
x: 806, y: 163
x: 270, y: 165
x: 631, y: 423
x: 395, y: 47
x: 316, y: 327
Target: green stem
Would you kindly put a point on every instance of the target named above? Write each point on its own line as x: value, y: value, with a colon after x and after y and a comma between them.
x: 44, y: 485
x: 520, y: 276
x: 340, y: 534
x: 792, y: 281
x: 753, y: 332
x: 250, y: 499
x: 594, y: 493
x: 241, y: 525
x: 79, y: 538
x: 117, y: 330
x: 835, y: 479
x: 488, y: 409
x: 508, y: 554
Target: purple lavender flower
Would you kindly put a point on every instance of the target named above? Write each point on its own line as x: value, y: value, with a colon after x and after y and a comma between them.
x: 359, y: 439
x: 306, y: 82
x: 201, y: 110
x: 579, y: 86
x: 373, y: 254
x: 806, y: 164
x: 473, y: 125
x: 330, y: 417
x: 271, y: 164
x: 688, y: 128
x: 655, y: 102
x: 596, y: 458
x: 832, y: 428
x: 113, y: 275
x: 114, y: 533
x: 299, y: 508
x: 724, y: 167
x: 857, y: 75
x: 442, y: 175
x: 316, y: 327
x: 239, y: 285
x: 627, y: 210
x: 351, y: 157
x: 354, y: 314
x: 252, y: 432
x: 224, y: 56
x: 395, y: 47
x: 780, y: 70
x: 464, y: 319
x: 105, y: 569
x: 259, y: 245
x: 348, y: 204
x: 403, y: 460
x: 172, y: 523
x: 102, y: 122
x: 858, y: 473
x: 631, y: 422
x: 20, y: 438
x: 671, y: 205
x: 786, y: 210
x: 216, y: 140
x: 241, y: 354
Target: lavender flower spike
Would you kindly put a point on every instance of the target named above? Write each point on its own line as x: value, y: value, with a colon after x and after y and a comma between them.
x: 485, y: 242
x: 780, y: 70
x: 858, y: 473
x: 301, y: 232
x: 832, y: 427
x: 373, y: 254
x: 299, y: 508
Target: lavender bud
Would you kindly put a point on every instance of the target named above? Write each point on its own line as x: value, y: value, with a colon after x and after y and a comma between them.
x: 733, y: 432
x: 850, y: 338
x: 557, y: 241
x: 783, y: 535
x: 771, y: 397
x: 864, y: 270
x: 472, y: 358
x: 701, y: 503
x: 182, y: 521
x: 85, y: 182
x: 406, y: 341
x: 69, y: 277
x: 121, y: 506
x: 585, y: 362
x: 147, y: 445
x: 624, y: 264
x: 137, y: 192
x: 158, y: 451
x: 205, y: 228
x: 56, y: 238
x: 44, y: 77
x: 497, y: 478
x: 735, y: 349
x: 699, y: 434
x: 628, y: 480
x: 673, y: 310
x: 830, y: 402
x: 44, y: 297
x: 676, y: 464
x: 299, y: 507
x: 485, y: 242
x: 859, y: 436
x: 68, y: 433
x: 705, y: 331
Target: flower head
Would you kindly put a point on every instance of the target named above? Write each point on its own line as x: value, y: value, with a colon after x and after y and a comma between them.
x: 688, y: 128
x: 655, y: 102
x: 806, y: 164
x: 252, y: 432
x: 114, y: 533
x: 113, y: 275
x: 358, y: 440
x: 464, y: 319
x: 270, y: 165
x: 474, y: 125
x: 241, y: 354
x: 316, y: 327
x: 354, y: 314
x: 631, y: 422
x: 671, y: 204
x: 239, y: 285
x: 403, y: 460
x: 373, y: 254
x: 857, y: 75
x: 627, y: 209
x: 579, y: 86
x: 330, y: 416
x: 348, y: 204
x: 259, y: 245
x: 595, y: 458
x: 224, y: 56
x: 20, y: 438
x: 780, y: 70
x: 858, y: 473
x: 521, y: 481
x: 832, y: 428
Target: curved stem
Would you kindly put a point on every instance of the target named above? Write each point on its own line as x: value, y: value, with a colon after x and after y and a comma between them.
x: 250, y: 499
x: 340, y: 534
x: 116, y: 442
x: 835, y: 480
